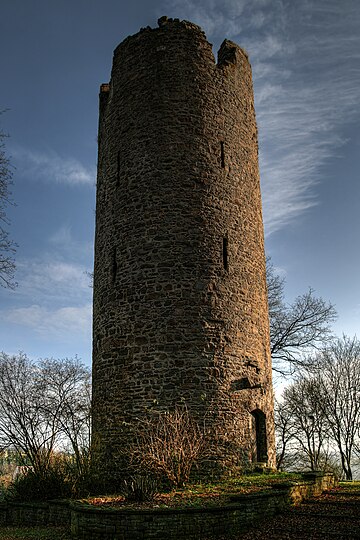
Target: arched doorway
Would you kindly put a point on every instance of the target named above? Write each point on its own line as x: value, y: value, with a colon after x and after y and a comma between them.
x: 259, y: 436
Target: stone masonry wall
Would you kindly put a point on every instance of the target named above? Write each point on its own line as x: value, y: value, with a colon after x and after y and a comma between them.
x: 180, y: 301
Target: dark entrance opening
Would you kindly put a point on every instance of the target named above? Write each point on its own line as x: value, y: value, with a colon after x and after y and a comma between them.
x: 225, y: 253
x: 259, y: 436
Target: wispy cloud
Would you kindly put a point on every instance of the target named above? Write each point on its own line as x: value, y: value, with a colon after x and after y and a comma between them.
x: 53, y: 299
x: 53, y: 302
x: 302, y: 113
x: 52, y: 167
x: 54, y: 296
x: 69, y: 246
x: 305, y: 59
x: 52, y: 282
x: 62, y: 323
x: 218, y: 17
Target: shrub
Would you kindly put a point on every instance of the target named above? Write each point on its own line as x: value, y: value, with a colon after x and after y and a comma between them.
x: 168, y: 445
x: 59, y: 479
x: 140, y: 488
x: 78, y: 473
x: 40, y: 486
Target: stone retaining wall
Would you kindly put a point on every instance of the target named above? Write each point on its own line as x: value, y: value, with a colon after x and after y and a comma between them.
x: 94, y: 523
x: 36, y: 513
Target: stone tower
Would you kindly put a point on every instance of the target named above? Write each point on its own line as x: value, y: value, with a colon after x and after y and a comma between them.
x: 180, y: 300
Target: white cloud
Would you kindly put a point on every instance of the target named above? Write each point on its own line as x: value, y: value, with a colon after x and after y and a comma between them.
x: 64, y: 242
x: 62, y: 236
x: 218, y: 17
x: 52, y: 167
x: 62, y: 323
x: 52, y: 304
x: 51, y: 281
x: 303, y: 109
x: 257, y: 20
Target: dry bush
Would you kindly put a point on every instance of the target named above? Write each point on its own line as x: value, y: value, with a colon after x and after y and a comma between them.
x: 169, y: 444
x: 139, y: 488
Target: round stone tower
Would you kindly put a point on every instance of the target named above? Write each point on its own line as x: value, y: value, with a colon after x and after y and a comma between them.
x: 180, y: 300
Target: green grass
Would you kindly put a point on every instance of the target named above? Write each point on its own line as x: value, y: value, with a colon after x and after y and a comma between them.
x: 34, y: 533
x: 350, y: 485
x: 202, y: 494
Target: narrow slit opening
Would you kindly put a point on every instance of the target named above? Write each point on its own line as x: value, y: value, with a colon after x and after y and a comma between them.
x: 118, y: 169
x: 225, y: 253
x: 222, y: 154
x: 114, y: 265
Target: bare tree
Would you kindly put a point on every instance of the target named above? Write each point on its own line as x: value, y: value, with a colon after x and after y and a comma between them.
x: 7, y: 246
x: 284, y: 429
x: 23, y: 426
x: 68, y: 401
x: 297, y: 328
x: 42, y: 407
x: 337, y: 372
x: 307, y: 425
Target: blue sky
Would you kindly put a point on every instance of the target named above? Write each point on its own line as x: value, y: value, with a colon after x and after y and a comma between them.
x: 306, y: 68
